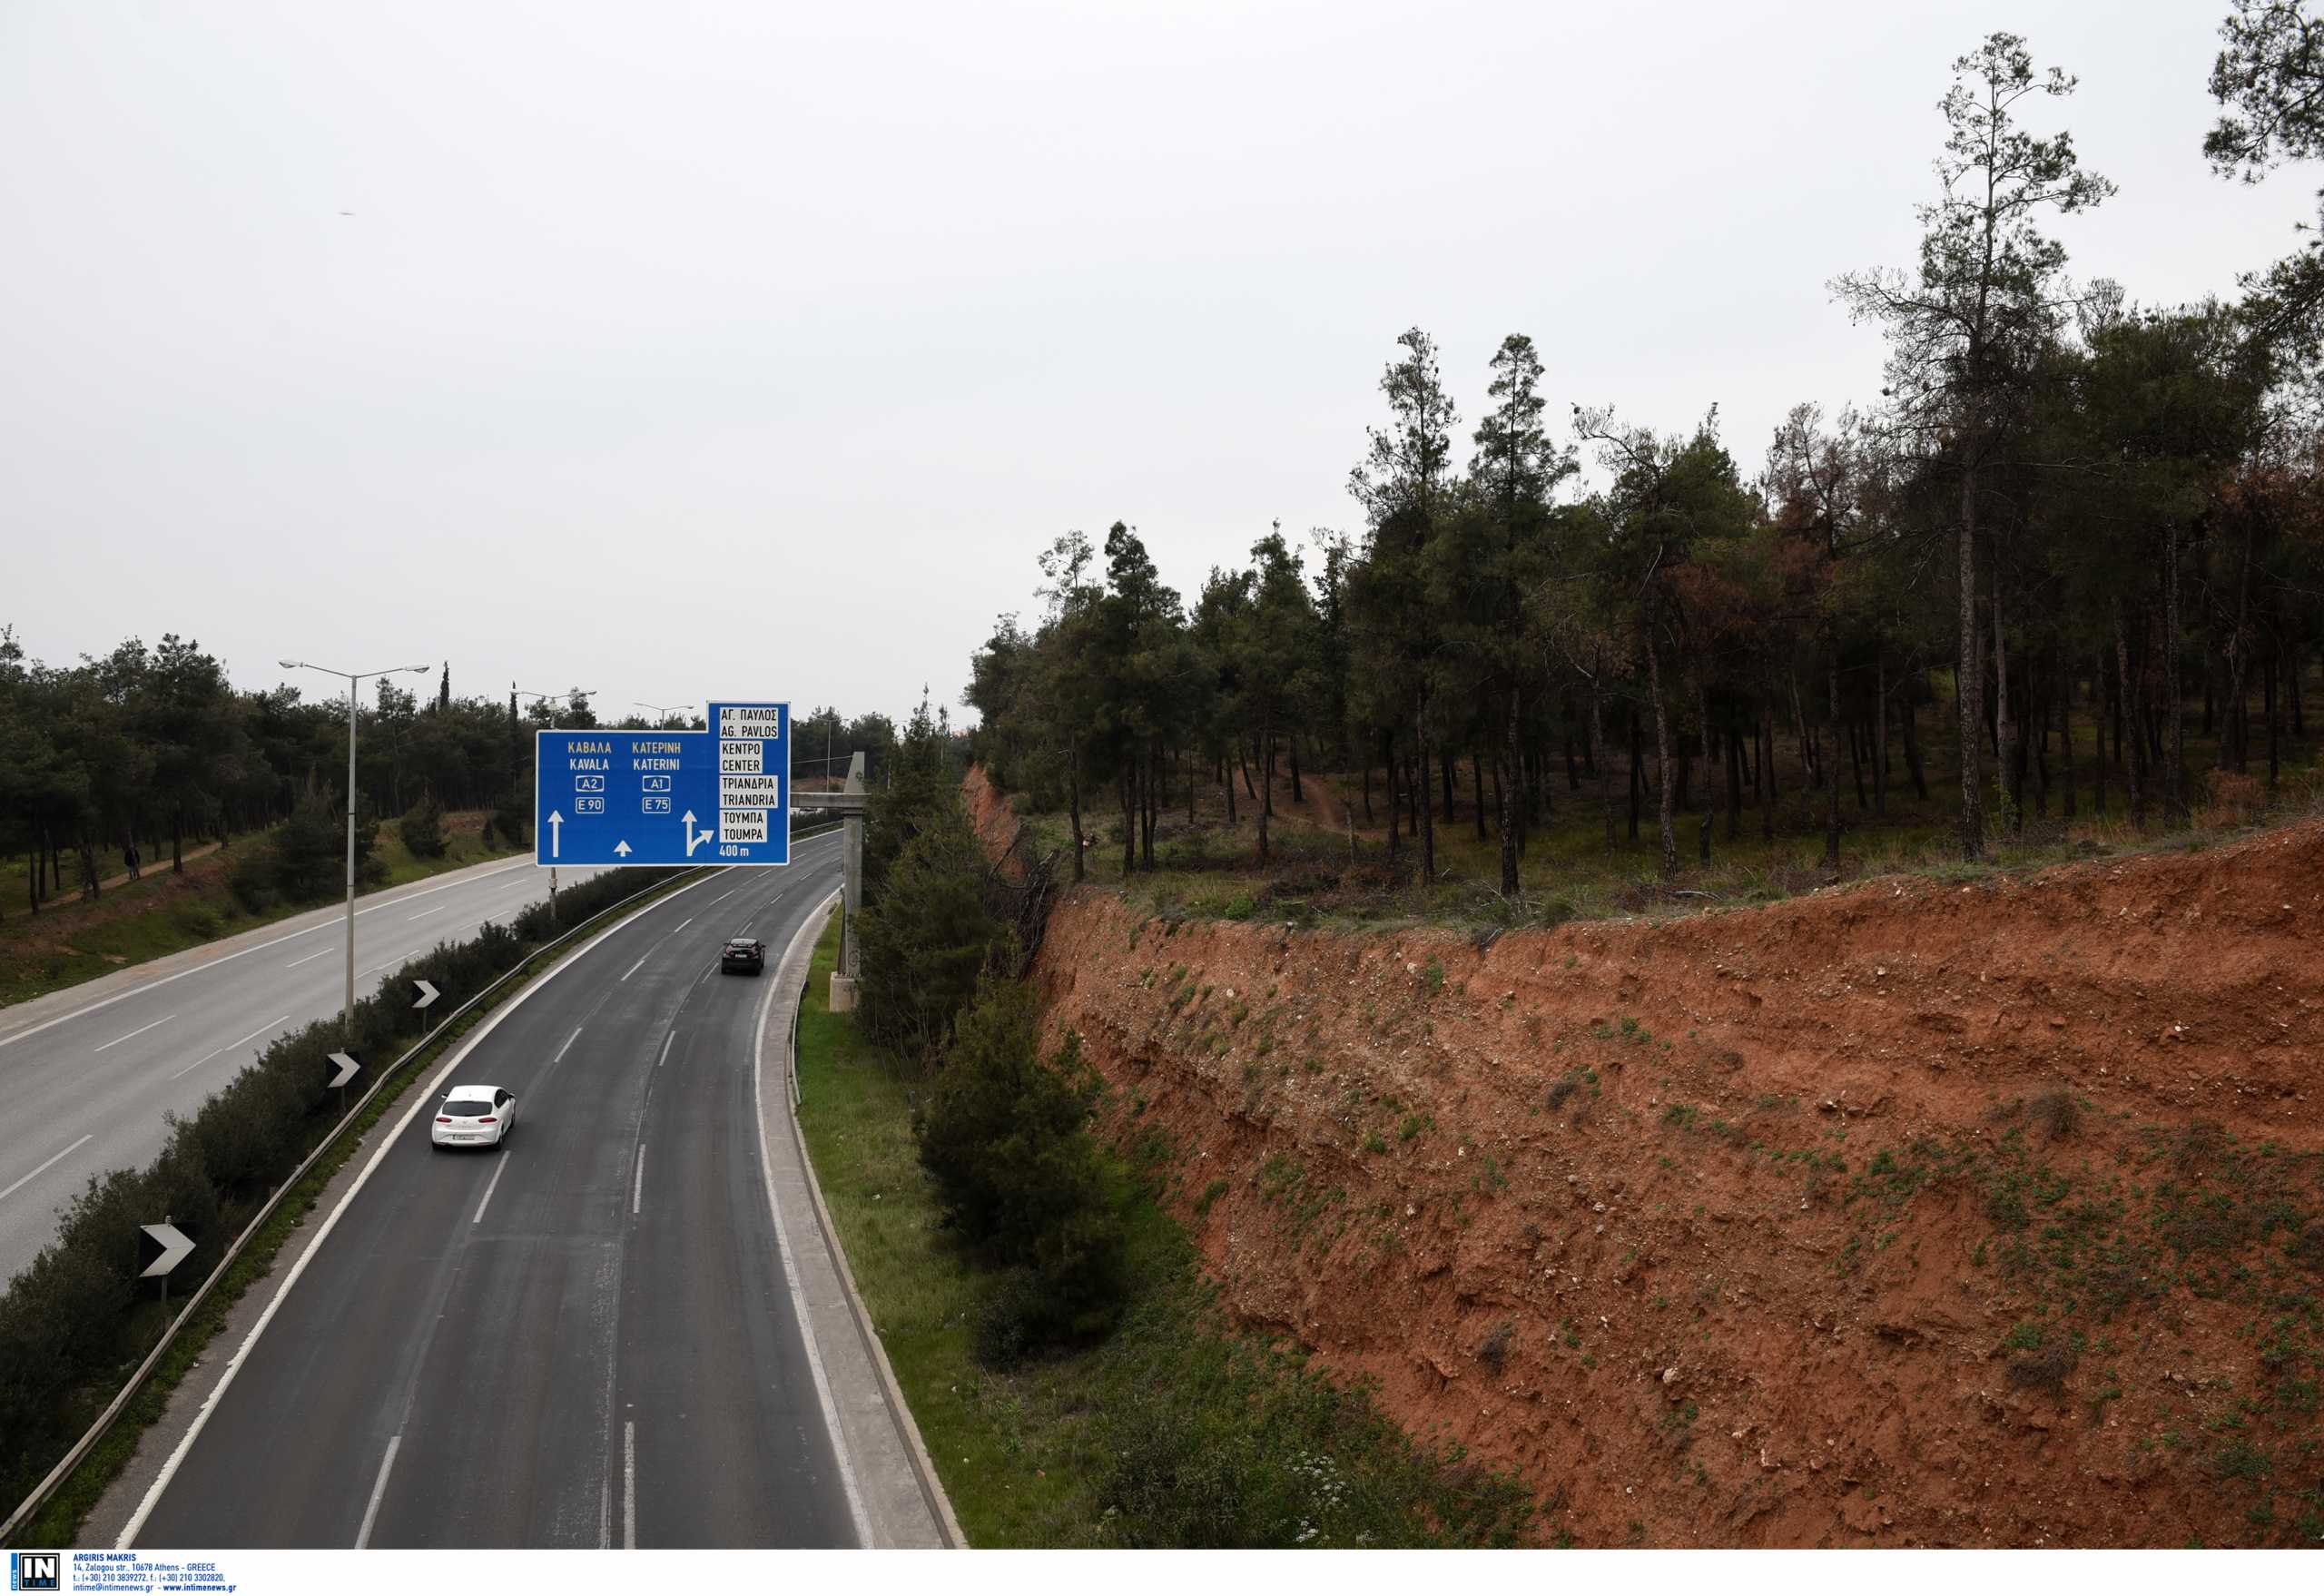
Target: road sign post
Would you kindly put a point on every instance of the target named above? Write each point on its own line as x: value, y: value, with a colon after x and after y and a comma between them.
x: 160, y: 1249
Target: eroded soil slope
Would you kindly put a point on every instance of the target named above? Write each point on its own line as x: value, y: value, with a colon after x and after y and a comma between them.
x: 1911, y: 1214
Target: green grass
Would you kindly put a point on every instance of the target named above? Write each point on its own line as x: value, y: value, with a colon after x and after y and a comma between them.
x: 70, y: 943
x: 1174, y: 1431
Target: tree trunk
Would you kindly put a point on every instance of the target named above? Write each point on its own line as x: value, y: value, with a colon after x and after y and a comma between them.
x: 1733, y: 786
x: 1662, y: 753
x: 1638, y: 762
x: 1073, y: 811
x: 2097, y: 727
x: 1598, y: 758
x: 2174, y: 779
x: 2065, y: 741
x: 1505, y: 792
x: 1427, y: 819
x: 2133, y: 770
x: 1832, y: 768
x: 2004, y: 725
x: 1388, y: 791
x: 1768, y: 768
x: 1266, y: 775
x: 2269, y: 678
x: 1880, y: 748
x: 1702, y: 702
x: 1968, y: 691
x: 1298, y: 795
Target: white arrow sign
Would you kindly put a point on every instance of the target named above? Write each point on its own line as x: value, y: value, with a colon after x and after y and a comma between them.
x: 695, y: 840
x: 555, y: 831
x: 427, y: 993
x: 174, y: 1245
x: 345, y: 1072
x: 620, y: 848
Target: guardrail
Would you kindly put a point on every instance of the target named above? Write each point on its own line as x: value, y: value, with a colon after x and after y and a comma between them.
x: 81, y: 1449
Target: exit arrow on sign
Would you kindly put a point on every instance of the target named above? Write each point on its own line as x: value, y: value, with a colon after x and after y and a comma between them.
x: 161, y: 1248
x: 345, y: 1072
x: 427, y: 993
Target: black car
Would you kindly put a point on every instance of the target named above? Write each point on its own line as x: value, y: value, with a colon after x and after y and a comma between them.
x: 744, y: 953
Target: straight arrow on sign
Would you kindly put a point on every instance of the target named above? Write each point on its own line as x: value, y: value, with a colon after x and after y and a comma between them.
x: 344, y: 1073
x: 555, y: 831
x: 161, y: 1249
x: 427, y: 993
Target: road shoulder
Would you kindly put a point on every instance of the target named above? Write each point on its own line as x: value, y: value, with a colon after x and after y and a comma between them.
x: 897, y: 1484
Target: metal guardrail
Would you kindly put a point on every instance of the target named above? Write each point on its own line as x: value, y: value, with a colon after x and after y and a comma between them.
x: 81, y: 1449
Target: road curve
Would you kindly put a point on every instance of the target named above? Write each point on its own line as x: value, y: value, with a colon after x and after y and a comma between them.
x: 585, y: 1339
x: 87, y: 1074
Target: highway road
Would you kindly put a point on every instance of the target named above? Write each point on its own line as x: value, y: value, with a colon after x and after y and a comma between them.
x: 590, y: 1337
x: 87, y: 1074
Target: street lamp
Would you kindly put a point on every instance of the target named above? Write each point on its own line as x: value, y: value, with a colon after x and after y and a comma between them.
x: 664, y: 710
x: 346, y: 1019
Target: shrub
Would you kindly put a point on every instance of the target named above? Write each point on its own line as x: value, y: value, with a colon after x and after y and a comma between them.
x: 1004, y: 1136
x: 422, y: 829
x: 252, y: 879
x: 927, y: 940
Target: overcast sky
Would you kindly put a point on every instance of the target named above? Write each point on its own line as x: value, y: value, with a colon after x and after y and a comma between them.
x: 689, y: 350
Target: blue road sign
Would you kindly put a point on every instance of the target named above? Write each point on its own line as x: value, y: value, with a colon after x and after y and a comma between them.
x: 715, y: 797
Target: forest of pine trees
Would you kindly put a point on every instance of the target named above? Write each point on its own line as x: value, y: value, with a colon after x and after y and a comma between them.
x: 2067, y: 510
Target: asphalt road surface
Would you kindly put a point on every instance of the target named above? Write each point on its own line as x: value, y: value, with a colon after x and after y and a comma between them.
x: 87, y: 1074
x: 587, y: 1339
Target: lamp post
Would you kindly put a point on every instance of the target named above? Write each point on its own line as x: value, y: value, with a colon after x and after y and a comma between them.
x: 347, y: 1017
x: 664, y: 710
x: 549, y: 698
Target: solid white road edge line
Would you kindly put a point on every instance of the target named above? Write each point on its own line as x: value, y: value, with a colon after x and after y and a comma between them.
x: 423, y: 1099
x: 840, y: 1452
x: 378, y: 1488
x: 246, y: 953
x: 74, y: 1148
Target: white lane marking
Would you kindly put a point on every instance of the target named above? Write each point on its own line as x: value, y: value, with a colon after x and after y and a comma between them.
x: 310, y: 958
x: 840, y: 1451
x: 22, y: 1179
x: 721, y: 896
x: 629, y: 1484
x: 605, y: 1514
x: 141, y: 1030
x: 632, y: 968
x: 489, y: 1188
x: 559, y: 1057
x: 637, y: 1192
x: 426, y: 1098
x: 426, y: 913
x: 664, y: 1058
x: 680, y: 926
x: 262, y: 1031
x: 378, y: 1488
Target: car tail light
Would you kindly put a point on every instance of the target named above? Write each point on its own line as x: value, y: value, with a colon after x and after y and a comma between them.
x: 486, y: 1119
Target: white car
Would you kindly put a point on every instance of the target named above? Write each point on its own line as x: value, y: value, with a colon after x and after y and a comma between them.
x: 474, y: 1117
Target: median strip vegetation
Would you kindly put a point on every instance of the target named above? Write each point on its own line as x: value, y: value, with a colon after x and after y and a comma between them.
x: 77, y: 1322
x: 1075, y: 1381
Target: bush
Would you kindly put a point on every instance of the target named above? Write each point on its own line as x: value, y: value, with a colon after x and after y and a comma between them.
x: 251, y: 881
x: 513, y: 820
x: 1004, y: 1136
x: 422, y: 829
x: 927, y: 938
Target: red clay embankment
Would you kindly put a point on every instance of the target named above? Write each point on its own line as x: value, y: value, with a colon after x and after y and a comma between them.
x: 1886, y: 1215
